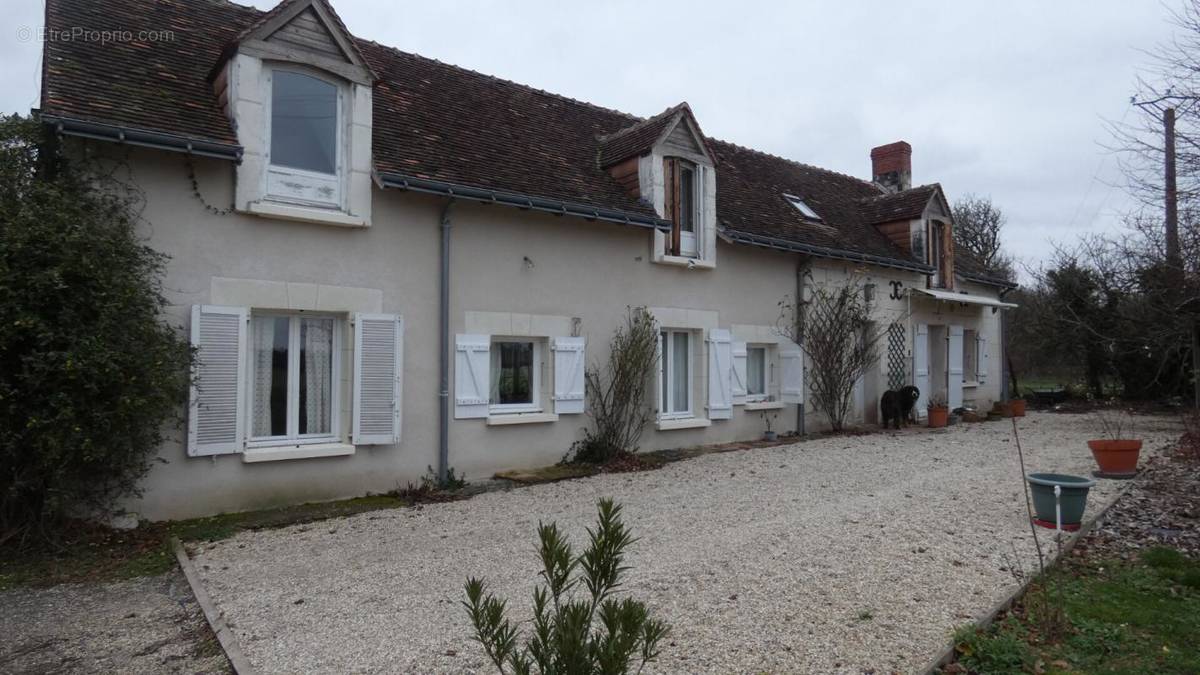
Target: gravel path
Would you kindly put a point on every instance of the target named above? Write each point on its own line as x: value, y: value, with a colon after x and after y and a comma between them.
x: 146, y: 625
x: 834, y: 555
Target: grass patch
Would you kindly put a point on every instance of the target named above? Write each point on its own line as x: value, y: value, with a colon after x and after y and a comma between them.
x: 1124, y: 617
x: 549, y: 474
x: 90, y: 553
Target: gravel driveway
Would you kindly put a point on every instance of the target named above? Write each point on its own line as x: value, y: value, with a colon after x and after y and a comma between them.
x: 833, y: 555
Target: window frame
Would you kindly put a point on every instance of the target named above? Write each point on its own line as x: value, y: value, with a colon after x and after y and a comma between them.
x: 305, y: 178
x: 802, y: 206
x: 765, y: 394
x: 971, y: 347
x: 535, y: 393
x: 293, y: 394
x: 673, y: 196
x: 666, y: 349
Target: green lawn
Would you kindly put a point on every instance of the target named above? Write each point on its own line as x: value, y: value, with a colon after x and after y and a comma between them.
x: 1137, y: 617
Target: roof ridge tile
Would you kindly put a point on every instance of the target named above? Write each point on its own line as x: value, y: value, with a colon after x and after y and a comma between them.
x: 802, y: 165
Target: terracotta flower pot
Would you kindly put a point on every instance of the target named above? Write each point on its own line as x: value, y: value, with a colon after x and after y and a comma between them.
x: 1017, y: 405
x: 938, y: 417
x: 1117, y: 458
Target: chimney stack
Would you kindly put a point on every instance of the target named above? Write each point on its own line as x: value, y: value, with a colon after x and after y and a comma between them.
x: 891, y: 166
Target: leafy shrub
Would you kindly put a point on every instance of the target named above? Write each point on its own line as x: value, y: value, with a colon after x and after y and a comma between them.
x: 91, y: 377
x: 616, y: 394
x: 565, y: 638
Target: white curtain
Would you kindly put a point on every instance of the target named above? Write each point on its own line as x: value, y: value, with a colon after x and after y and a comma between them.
x: 264, y: 345
x: 317, y: 342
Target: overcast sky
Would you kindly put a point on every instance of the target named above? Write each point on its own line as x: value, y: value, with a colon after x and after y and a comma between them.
x: 1000, y: 99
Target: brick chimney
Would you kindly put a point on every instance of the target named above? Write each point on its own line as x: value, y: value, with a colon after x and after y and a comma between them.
x: 891, y: 166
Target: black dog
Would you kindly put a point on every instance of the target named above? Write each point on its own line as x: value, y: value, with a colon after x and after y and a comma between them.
x: 897, y: 406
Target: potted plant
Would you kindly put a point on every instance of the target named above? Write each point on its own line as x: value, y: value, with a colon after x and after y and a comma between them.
x: 768, y: 416
x: 1017, y: 407
x: 1072, y: 498
x: 1116, y: 453
x: 939, y: 411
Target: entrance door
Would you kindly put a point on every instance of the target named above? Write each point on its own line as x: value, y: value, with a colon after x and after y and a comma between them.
x: 921, y: 366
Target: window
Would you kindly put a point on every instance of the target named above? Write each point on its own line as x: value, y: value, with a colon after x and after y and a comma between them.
x: 683, y: 207
x: 515, y: 376
x: 803, y: 208
x: 304, y: 140
x: 294, y: 371
x: 756, y: 373
x: 970, y: 345
x: 937, y: 252
x: 676, y: 377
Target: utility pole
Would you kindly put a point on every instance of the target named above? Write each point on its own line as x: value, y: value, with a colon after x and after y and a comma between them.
x: 1174, y: 262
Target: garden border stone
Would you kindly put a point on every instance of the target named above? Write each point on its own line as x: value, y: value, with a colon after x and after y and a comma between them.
x: 946, y: 657
x: 216, y: 620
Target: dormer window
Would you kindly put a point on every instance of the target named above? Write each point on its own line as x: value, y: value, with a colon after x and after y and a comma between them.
x: 682, y: 207
x: 304, y: 163
x: 803, y: 208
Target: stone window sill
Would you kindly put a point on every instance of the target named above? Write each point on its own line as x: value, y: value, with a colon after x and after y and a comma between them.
x: 521, y: 418
x: 684, y: 423
x: 306, y: 214
x: 764, y: 405
x: 685, y: 261
x: 277, y: 453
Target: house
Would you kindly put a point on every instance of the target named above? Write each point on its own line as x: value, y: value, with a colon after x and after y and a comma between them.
x: 389, y: 263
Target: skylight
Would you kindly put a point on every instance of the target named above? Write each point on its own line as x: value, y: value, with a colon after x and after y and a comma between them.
x: 802, y: 207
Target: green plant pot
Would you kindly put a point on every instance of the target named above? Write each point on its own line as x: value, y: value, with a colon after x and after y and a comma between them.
x: 1073, y: 498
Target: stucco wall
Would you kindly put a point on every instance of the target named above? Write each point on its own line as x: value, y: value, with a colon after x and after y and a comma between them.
x: 591, y: 271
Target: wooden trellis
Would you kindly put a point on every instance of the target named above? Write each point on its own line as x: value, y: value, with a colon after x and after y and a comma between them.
x: 897, y: 361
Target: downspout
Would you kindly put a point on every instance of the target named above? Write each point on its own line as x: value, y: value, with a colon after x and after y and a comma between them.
x: 444, y: 336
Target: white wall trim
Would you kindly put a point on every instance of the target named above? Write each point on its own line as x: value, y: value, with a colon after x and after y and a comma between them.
x: 688, y: 319
x: 265, y: 294
x: 517, y: 325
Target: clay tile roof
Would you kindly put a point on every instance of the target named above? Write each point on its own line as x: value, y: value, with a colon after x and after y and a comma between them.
x: 638, y: 138
x: 905, y: 205
x: 443, y: 123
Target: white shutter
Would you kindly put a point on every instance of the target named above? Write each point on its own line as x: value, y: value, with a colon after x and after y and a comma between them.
x: 378, y: 369
x: 981, y: 358
x: 739, y: 373
x: 791, y: 367
x: 568, y: 374
x: 720, y: 374
x: 217, y: 409
x: 921, y: 366
x: 954, y: 367
x: 472, y: 366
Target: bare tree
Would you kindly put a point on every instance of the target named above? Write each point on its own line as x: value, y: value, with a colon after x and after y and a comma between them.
x: 977, y: 227
x: 616, y: 391
x: 833, y: 328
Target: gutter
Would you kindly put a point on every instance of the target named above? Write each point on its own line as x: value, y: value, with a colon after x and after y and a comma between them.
x: 144, y: 138
x: 739, y: 237
x: 521, y: 201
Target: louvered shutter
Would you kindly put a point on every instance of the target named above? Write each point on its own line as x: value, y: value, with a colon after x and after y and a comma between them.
x: 791, y: 367
x: 954, y: 367
x: 568, y: 375
x: 720, y: 374
x: 921, y: 366
x: 739, y: 373
x: 981, y: 358
x: 378, y: 369
x: 471, y: 376
x: 217, y: 409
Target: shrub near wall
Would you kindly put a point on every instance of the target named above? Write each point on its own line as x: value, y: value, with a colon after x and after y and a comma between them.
x: 91, y: 377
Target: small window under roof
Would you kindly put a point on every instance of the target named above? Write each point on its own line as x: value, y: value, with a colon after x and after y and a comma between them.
x: 802, y: 207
